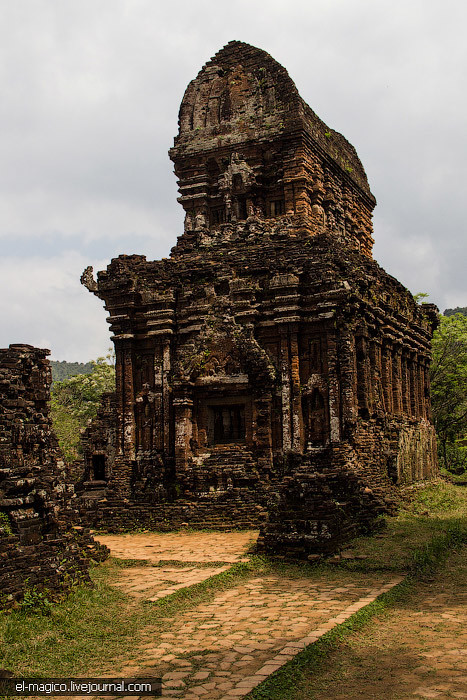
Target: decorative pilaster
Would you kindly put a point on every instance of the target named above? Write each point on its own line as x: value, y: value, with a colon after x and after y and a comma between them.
x: 166, y: 365
x: 376, y: 374
x: 285, y: 390
x: 263, y: 431
x: 334, y: 399
x: 183, y: 410
x: 119, y: 393
x: 363, y: 376
x: 397, y: 388
x: 387, y: 377
x: 405, y: 381
x: 348, y: 376
x: 129, y: 426
x: 298, y: 433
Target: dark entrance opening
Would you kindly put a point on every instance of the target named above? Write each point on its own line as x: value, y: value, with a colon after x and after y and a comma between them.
x: 316, y: 419
x: 98, y: 467
x: 242, y: 212
x: 229, y: 423
x: 391, y: 466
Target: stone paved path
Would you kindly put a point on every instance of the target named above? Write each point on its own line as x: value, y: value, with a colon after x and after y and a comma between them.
x: 154, y: 583
x: 151, y: 583
x: 224, y: 648
x: 201, y: 547
x: 417, y: 651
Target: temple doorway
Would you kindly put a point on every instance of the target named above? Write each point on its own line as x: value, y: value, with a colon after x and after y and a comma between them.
x: 227, y: 423
x: 98, y: 467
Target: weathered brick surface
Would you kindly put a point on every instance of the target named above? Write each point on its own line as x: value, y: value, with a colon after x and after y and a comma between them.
x: 38, y: 547
x: 270, y: 349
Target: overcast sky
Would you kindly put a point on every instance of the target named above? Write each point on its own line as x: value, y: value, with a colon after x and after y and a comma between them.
x: 90, y: 91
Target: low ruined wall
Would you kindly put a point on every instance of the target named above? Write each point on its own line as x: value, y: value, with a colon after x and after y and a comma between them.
x: 53, y: 565
x: 38, y: 546
x: 339, y: 494
x: 319, y: 507
x: 240, y: 510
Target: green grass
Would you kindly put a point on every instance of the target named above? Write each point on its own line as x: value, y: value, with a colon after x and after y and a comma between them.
x: 161, y: 563
x: 185, y: 598
x: 452, y: 477
x: 431, y: 524
x: 427, y: 511
x: 439, y: 499
x: 380, y: 659
x: 285, y: 683
x: 92, y: 628
x: 79, y: 635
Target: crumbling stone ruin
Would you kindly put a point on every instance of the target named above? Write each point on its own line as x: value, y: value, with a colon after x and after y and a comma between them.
x: 269, y: 363
x: 38, y: 547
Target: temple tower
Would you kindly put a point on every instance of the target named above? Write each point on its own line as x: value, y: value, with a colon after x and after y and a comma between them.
x: 248, y: 145
x: 270, y: 340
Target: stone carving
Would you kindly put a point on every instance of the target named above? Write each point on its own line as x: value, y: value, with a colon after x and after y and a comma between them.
x: 87, y: 279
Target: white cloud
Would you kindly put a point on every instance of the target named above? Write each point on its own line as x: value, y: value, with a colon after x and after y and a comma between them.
x: 90, y: 96
x: 412, y: 260
x: 43, y: 304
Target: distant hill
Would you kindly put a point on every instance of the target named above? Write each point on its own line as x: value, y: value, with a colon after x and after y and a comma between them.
x: 62, y: 370
x: 458, y: 310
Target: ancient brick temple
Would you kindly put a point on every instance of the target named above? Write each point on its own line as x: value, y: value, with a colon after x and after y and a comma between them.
x: 270, y: 344
x: 38, y: 546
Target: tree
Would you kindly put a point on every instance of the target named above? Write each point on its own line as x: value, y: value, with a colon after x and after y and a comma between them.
x: 449, y: 387
x: 458, y: 310
x: 74, y: 402
x: 64, y: 370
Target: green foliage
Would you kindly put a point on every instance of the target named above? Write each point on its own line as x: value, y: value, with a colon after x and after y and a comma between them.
x: 75, y: 401
x: 453, y: 458
x: 449, y: 386
x: 82, y: 393
x: 439, y: 499
x: 64, y: 370
x: 458, y: 310
x: 5, y: 527
x: 36, y: 602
